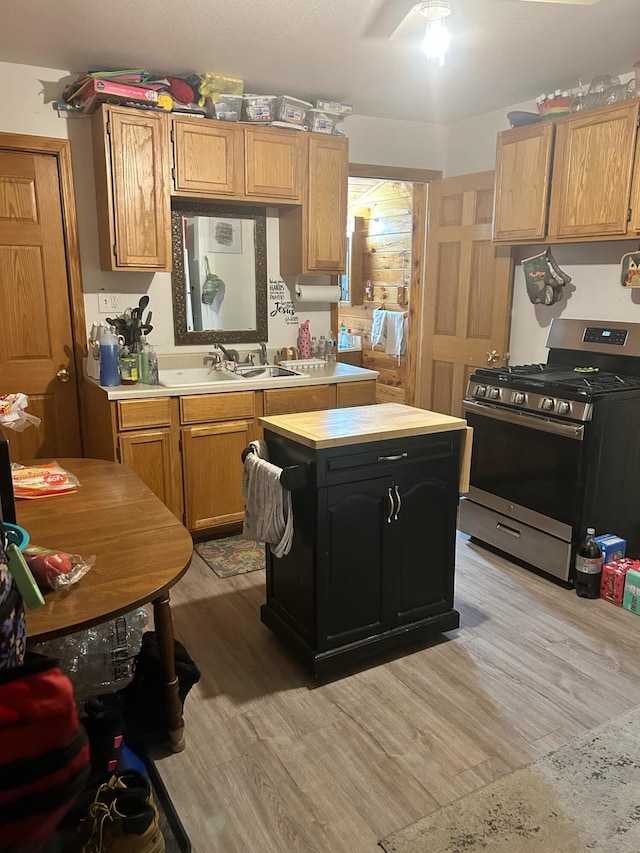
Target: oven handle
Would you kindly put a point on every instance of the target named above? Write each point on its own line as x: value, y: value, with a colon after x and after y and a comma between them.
x: 574, y: 431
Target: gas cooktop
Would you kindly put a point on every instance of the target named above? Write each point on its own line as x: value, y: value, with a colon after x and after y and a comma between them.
x: 585, y: 381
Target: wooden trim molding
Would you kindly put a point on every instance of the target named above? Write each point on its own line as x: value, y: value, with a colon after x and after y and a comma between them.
x: 393, y: 173
x: 61, y: 149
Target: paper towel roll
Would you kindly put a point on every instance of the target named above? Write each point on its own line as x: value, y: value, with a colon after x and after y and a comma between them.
x: 317, y: 293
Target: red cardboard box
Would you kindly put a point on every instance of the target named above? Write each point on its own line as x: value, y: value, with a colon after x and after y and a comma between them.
x: 94, y: 91
x: 613, y: 579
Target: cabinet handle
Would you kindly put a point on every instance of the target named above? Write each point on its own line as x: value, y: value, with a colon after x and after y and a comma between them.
x: 390, y: 505
x: 510, y: 530
x: 392, y: 458
x: 395, y: 517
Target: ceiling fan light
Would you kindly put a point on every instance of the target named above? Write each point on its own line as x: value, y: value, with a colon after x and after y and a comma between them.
x: 436, y: 40
x: 434, y: 10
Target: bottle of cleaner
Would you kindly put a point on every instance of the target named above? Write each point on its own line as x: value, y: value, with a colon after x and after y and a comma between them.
x: 109, y: 372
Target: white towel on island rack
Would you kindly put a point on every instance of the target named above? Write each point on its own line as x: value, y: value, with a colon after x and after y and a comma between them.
x: 268, y: 514
x: 395, y: 328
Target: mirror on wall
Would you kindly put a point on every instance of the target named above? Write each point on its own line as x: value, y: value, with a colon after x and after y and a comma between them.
x: 219, y: 278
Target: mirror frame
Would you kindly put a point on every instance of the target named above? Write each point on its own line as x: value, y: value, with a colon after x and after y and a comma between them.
x: 228, y: 336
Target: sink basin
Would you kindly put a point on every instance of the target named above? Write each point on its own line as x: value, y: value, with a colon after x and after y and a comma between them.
x: 193, y: 376
x: 264, y: 371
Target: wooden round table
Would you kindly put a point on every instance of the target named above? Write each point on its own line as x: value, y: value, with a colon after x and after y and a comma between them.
x: 141, y: 551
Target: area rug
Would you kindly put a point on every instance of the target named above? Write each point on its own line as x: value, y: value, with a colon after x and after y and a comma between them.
x: 232, y: 555
x: 584, y: 797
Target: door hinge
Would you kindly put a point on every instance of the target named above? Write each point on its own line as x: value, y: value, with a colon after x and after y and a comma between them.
x: 171, y: 136
x: 115, y: 250
x: 108, y: 127
x: 118, y: 454
x: 173, y: 174
x: 629, y: 213
x: 179, y: 444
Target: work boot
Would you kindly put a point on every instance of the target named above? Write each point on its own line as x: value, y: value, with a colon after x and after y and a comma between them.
x: 128, y: 825
x: 129, y: 781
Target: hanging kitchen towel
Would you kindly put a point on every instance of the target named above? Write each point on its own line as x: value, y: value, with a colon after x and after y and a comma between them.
x: 379, y: 327
x: 268, y: 510
x: 396, y: 327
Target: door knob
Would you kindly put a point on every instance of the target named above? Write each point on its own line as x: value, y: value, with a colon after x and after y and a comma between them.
x: 493, y: 356
x: 63, y: 375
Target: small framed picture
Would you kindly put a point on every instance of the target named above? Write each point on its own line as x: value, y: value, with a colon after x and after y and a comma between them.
x: 225, y: 235
x: 630, y: 273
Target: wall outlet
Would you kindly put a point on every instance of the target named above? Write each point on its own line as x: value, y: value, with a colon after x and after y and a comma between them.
x: 109, y: 303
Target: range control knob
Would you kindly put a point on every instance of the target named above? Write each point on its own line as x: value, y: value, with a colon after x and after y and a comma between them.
x: 547, y: 404
x: 564, y: 408
x: 518, y: 397
x: 481, y: 390
x: 494, y: 393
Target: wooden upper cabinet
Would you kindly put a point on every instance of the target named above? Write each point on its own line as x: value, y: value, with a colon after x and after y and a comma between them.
x: 207, y: 158
x: 132, y: 185
x: 523, y: 181
x: 313, y: 237
x: 592, y: 172
x: 634, y: 224
x: 327, y: 204
x: 273, y: 163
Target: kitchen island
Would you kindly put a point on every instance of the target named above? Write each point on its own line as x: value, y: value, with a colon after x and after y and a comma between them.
x: 372, y: 563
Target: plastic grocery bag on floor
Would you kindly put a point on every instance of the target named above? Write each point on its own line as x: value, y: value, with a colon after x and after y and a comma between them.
x: 100, y: 659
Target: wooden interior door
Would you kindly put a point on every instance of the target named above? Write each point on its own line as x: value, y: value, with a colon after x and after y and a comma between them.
x: 36, y: 344
x: 468, y: 288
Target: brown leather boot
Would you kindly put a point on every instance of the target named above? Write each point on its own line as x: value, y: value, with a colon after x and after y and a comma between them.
x: 128, y: 825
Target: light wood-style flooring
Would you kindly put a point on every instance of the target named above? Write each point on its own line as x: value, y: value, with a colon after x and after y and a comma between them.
x: 278, y: 764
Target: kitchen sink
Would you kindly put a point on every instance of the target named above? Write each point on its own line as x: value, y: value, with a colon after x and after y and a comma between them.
x: 193, y: 376
x: 264, y: 371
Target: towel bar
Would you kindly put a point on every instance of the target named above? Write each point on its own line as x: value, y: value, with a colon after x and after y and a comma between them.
x: 292, y: 477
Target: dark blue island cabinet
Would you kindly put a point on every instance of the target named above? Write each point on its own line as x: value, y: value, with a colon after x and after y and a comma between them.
x: 375, y: 494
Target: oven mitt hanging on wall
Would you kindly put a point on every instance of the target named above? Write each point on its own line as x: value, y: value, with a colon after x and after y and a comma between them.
x: 211, y: 285
x: 630, y: 275
x: 544, y: 279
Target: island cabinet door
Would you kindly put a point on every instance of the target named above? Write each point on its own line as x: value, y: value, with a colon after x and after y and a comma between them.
x: 423, y: 532
x: 352, y: 552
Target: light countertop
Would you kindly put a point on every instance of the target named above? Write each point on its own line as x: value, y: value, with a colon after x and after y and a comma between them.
x: 327, y: 374
x: 359, y: 424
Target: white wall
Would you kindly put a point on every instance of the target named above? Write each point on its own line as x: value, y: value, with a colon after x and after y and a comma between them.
x: 388, y: 142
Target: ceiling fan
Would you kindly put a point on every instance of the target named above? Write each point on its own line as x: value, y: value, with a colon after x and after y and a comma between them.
x: 393, y: 12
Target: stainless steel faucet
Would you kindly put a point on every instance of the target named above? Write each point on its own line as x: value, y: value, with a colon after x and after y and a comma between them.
x: 262, y: 352
x: 229, y: 354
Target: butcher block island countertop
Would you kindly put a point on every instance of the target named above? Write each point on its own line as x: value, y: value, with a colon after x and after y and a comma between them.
x: 359, y: 424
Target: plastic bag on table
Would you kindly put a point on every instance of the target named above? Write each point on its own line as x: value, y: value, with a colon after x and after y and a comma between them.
x: 56, y: 569
x: 41, y: 481
x: 13, y: 414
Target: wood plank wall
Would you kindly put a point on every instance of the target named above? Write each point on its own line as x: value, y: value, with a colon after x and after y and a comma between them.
x: 387, y: 211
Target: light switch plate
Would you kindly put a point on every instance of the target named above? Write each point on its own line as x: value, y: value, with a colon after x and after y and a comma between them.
x: 109, y: 303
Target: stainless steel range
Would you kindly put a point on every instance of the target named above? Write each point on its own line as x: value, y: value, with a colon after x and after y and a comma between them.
x: 556, y: 446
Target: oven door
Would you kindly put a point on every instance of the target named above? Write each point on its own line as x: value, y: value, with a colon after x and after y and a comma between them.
x: 526, y: 466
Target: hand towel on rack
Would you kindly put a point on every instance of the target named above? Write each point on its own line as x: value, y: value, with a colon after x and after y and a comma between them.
x: 395, y: 326
x: 268, y: 509
x: 378, y: 327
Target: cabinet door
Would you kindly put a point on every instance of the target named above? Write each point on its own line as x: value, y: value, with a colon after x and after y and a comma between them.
x: 635, y: 194
x: 351, y: 563
x: 523, y: 179
x: 208, y: 158
x: 592, y: 168
x: 327, y: 210
x: 140, y: 186
x: 422, y: 556
x: 212, y: 471
x: 273, y: 163
x: 153, y: 456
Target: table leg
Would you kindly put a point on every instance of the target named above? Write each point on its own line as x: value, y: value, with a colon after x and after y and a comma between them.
x: 164, y: 634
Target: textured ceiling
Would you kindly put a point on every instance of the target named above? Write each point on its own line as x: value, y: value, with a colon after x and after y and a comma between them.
x: 502, y: 51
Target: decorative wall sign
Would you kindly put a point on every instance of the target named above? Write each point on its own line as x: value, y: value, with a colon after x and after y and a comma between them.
x: 225, y: 235
x: 630, y: 275
x: 281, y: 303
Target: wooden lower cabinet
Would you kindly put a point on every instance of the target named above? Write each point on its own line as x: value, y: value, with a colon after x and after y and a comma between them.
x: 152, y: 455
x: 212, y: 468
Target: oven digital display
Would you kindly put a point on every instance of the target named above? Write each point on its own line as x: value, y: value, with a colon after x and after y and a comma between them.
x: 614, y: 337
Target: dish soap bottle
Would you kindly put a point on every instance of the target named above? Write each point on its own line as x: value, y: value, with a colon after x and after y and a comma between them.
x: 588, y: 566
x: 109, y: 373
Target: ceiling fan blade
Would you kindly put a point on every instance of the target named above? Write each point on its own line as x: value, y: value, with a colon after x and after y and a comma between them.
x: 567, y: 2
x: 389, y: 17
